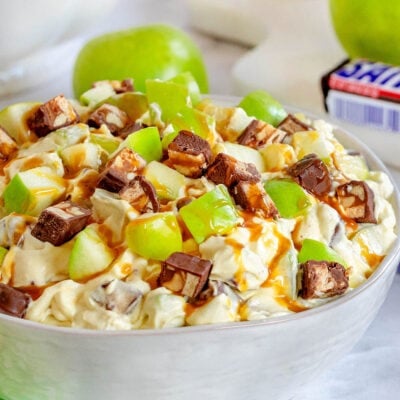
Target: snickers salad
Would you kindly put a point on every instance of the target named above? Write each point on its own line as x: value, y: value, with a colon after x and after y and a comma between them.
x: 126, y: 210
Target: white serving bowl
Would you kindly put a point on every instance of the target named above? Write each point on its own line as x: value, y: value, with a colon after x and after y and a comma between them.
x: 267, y: 359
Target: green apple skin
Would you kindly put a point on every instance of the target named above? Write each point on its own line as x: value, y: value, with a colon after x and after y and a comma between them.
x: 146, y: 142
x: 89, y: 255
x: 166, y: 181
x: 314, y: 250
x: 14, y: 120
x: 188, y: 80
x: 146, y: 52
x: 3, y: 253
x: 133, y: 103
x: 289, y: 198
x: 107, y: 143
x: 30, y: 192
x: 368, y: 28
x: 263, y: 106
x: 213, y: 213
x: 154, y: 236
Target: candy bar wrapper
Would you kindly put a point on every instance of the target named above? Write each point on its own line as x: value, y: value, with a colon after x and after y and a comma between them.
x: 364, y: 93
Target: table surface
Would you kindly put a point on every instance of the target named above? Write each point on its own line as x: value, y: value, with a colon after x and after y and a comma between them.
x: 372, y: 369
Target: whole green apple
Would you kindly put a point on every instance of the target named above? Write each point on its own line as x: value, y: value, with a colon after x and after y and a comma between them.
x: 368, y: 28
x: 146, y: 52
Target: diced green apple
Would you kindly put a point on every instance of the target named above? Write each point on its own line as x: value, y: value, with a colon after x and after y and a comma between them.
x: 3, y: 252
x: 31, y: 191
x: 171, y: 97
x: 70, y: 135
x: 154, y: 236
x: 194, y: 120
x: 167, y: 182
x: 146, y: 142
x: 107, y: 143
x: 290, y: 199
x: 315, y: 250
x: 308, y: 142
x: 353, y: 166
x: 89, y: 256
x: 133, y: 103
x: 213, y: 213
x: 14, y: 120
x: 187, y: 79
x: 81, y: 155
x: 263, y: 106
x: 96, y: 95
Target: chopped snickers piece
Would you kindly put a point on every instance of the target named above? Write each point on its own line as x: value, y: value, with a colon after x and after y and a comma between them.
x: 185, y: 274
x: 141, y: 195
x: 229, y: 171
x: 7, y: 144
x: 251, y: 196
x: 112, y: 116
x: 259, y: 133
x: 321, y: 279
x: 356, y: 200
x: 123, y: 86
x: 59, y: 223
x: 13, y: 301
x: 291, y: 125
x: 189, y: 154
x: 117, y: 296
x: 120, y: 170
x: 312, y: 174
x: 54, y: 114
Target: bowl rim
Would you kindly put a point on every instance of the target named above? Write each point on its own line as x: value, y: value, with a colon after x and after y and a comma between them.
x: 390, y: 261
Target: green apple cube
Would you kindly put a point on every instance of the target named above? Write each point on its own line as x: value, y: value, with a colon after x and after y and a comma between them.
x: 89, y: 256
x: 353, y: 166
x: 167, y: 182
x: 30, y: 192
x: 168, y: 138
x: 82, y: 155
x: 263, y: 106
x: 96, y: 95
x: 245, y: 154
x: 171, y: 97
x: 70, y: 135
x: 307, y: 142
x: 108, y: 143
x: 14, y: 120
x: 315, y: 250
x: 290, y: 199
x: 154, y: 236
x: 187, y: 79
x: 3, y: 252
x: 133, y: 103
x: 194, y: 120
x: 146, y: 142
x: 213, y: 213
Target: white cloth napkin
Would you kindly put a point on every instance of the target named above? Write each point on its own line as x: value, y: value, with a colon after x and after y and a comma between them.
x: 371, y: 371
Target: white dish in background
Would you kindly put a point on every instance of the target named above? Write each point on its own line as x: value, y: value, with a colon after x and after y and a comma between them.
x: 265, y: 359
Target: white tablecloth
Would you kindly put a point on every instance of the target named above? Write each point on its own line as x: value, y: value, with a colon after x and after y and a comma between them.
x: 372, y: 370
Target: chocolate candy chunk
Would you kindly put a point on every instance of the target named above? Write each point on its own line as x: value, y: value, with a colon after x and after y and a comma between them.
x: 291, y: 125
x: 56, y: 113
x: 7, y: 145
x: 320, y: 279
x: 356, y: 200
x: 189, y: 154
x: 140, y: 193
x: 12, y: 301
x: 59, y: 223
x: 120, y: 170
x: 117, y: 296
x: 185, y: 274
x: 229, y: 171
x: 259, y: 133
x: 112, y: 116
x: 312, y: 174
x: 251, y: 196
x: 123, y: 86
